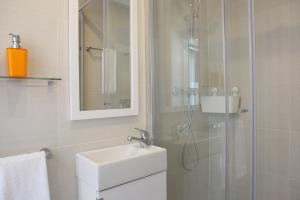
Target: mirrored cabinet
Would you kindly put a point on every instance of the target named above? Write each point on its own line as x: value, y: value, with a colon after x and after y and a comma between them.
x: 103, y: 58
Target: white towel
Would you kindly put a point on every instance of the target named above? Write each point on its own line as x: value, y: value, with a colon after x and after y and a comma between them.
x: 24, y: 177
x: 109, y: 72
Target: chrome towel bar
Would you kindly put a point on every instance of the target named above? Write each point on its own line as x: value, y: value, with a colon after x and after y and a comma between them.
x: 93, y: 48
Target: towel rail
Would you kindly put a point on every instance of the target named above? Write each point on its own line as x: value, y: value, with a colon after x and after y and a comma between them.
x: 93, y: 48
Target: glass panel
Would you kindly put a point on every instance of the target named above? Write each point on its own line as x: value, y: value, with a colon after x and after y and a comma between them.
x: 31, y: 78
x: 188, y: 68
x: 239, y: 85
x: 105, y: 72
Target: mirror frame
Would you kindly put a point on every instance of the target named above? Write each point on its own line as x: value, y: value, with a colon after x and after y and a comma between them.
x: 76, y: 113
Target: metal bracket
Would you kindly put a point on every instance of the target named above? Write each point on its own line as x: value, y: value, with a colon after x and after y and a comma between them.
x: 243, y: 110
x: 48, y: 152
x: 98, y: 196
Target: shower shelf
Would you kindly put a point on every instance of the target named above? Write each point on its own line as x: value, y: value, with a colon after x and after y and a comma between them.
x: 49, y: 80
x: 217, y: 104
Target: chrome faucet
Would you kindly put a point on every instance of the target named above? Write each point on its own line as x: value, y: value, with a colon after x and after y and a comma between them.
x: 144, y: 140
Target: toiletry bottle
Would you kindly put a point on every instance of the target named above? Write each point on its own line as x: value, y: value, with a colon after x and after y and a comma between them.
x: 16, y: 58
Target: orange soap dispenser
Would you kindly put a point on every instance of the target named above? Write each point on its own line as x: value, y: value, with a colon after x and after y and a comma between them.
x: 16, y: 58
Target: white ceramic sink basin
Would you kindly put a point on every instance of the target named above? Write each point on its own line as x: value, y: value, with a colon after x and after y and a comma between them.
x: 106, y: 168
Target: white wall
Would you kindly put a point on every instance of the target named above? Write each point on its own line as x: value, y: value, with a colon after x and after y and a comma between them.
x: 33, y: 115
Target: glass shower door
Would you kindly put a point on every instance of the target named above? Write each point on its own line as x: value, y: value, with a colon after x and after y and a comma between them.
x: 188, y: 64
x: 202, y: 96
x: 239, y: 83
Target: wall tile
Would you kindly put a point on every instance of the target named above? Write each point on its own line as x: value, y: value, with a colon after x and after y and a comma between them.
x: 271, y: 186
x: 294, y: 162
x: 273, y: 148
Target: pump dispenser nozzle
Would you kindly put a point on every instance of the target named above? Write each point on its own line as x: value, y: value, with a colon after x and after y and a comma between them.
x: 15, y: 41
x: 16, y: 58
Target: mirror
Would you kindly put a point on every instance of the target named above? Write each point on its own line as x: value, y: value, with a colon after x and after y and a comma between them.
x: 103, y: 58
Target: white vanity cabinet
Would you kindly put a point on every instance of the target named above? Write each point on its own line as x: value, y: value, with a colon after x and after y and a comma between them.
x: 148, y: 188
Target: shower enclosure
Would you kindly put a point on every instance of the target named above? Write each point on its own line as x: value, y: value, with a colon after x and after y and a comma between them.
x: 202, y: 96
x: 225, y: 97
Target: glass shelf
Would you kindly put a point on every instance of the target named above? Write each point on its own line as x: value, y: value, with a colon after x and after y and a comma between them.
x: 31, y: 78
x: 50, y: 80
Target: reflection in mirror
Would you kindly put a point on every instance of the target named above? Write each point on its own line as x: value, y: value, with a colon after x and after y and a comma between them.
x: 104, y: 50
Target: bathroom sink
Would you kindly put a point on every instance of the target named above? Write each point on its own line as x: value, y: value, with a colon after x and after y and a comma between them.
x: 106, y: 168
